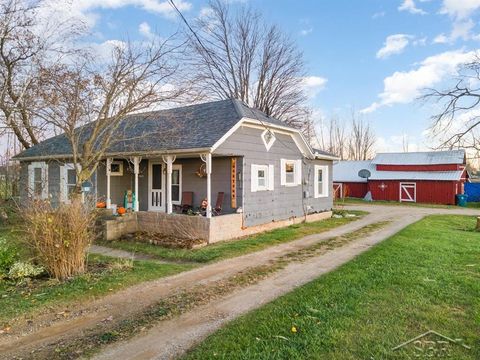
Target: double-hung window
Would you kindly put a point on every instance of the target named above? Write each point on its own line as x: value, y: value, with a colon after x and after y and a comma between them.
x: 291, y: 172
x: 262, y: 177
x: 68, y: 178
x: 38, y: 180
x: 176, y: 184
x: 320, y: 181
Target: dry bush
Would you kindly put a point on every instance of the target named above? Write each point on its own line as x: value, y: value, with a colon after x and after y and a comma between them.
x: 59, y: 237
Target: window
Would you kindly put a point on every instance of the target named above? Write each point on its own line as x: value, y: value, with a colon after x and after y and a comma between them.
x: 268, y: 138
x: 38, y: 180
x: 176, y: 184
x: 68, y: 177
x: 320, y: 181
x: 116, y: 168
x: 262, y: 178
x: 291, y: 172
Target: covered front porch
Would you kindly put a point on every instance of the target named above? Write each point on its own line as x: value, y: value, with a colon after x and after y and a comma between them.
x: 182, y: 183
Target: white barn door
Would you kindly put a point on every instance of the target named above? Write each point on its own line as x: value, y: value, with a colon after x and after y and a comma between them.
x: 408, y: 192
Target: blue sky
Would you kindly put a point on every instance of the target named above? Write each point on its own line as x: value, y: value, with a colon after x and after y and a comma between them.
x: 373, y: 56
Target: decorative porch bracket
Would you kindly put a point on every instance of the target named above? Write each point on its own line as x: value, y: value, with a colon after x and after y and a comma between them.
x: 207, y: 159
x: 169, y: 159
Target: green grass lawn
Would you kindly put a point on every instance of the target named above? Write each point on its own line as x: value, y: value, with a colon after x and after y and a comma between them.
x: 228, y: 249
x: 356, y: 201
x: 106, y: 275
x: 426, y: 277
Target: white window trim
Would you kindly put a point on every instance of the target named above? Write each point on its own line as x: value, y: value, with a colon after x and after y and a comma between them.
x: 325, y: 183
x: 31, y: 178
x: 297, y: 172
x: 120, y: 172
x: 269, y: 177
x: 269, y: 144
x: 64, y: 181
x: 179, y: 168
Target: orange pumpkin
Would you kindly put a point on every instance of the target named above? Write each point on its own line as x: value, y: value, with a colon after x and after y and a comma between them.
x: 101, y: 205
x: 121, y: 210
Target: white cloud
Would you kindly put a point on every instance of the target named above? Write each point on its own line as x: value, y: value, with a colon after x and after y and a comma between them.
x: 460, y: 8
x: 146, y: 30
x: 306, y: 31
x: 409, y: 5
x: 461, y: 29
x: 394, y: 44
x: 83, y: 10
x: 313, y: 85
x: 307, y: 28
x: 404, y: 86
x: 378, y: 15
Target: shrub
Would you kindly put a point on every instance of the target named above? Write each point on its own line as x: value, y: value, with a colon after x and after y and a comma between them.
x: 8, y: 256
x: 21, y: 270
x: 61, y: 236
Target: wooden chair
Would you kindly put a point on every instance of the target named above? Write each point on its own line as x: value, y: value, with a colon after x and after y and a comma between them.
x: 187, y: 202
x: 217, y: 210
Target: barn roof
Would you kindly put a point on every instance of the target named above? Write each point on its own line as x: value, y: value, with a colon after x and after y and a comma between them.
x: 421, y: 158
x: 417, y: 175
x: 347, y: 171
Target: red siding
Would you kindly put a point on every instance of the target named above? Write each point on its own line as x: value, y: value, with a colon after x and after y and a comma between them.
x: 434, y: 192
x: 436, y: 167
x: 354, y: 189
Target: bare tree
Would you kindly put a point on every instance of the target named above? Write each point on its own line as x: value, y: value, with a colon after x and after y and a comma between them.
x: 240, y: 56
x: 361, y: 139
x: 25, y: 47
x: 333, y: 137
x: 88, y: 102
x: 457, y: 124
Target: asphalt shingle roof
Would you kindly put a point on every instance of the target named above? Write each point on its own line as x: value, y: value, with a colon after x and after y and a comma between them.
x: 187, y: 127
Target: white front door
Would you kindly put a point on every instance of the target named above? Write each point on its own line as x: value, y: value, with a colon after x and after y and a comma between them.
x: 408, y: 192
x: 156, y: 188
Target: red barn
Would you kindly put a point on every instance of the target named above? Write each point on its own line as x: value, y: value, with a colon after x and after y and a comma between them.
x: 427, y: 177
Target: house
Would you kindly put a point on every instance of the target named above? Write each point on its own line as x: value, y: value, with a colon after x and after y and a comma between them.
x: 267, y: 172
x: 426, y: 177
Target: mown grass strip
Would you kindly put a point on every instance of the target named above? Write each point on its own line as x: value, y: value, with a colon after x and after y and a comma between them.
x: 427, y: 277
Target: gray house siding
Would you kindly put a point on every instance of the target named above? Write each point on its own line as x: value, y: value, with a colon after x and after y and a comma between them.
x: 283, y: 202
x: 53, y: 180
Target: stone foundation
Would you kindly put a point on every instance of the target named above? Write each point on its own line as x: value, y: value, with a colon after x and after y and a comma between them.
x: 218, y: 228
x: 119, y: 226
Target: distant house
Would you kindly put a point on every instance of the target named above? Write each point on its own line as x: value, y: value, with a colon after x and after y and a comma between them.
x: 426, y: 177
x: 256, y: 171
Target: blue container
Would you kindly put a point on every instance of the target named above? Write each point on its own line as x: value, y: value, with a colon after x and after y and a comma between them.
x: 462, y: 199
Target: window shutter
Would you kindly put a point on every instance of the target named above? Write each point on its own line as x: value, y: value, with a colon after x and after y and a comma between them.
x: 283, y: 174
x: 45, y: 180
x: 254, y: 178
x: 298, y: 172
x: 315, y: 182
x: 63, y: 183
x: 30, y: 180
x: 326, y: 181
x: 271, y: 177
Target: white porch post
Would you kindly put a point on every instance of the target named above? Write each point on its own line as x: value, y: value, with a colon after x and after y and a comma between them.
x: 209, y: 184
x: 109, y: 168
x: 136, y: 170
x: 169, y: 184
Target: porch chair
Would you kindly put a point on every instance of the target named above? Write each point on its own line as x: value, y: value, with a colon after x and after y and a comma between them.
x: 187, y: 203
x: 217, y: 210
